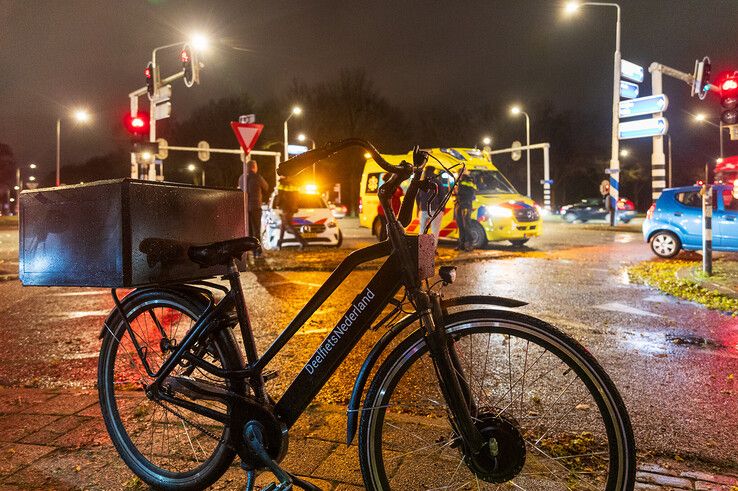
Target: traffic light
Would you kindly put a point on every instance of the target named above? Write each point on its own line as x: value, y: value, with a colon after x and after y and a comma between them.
x: 150, y: 79
x: 190, y: 66
x: 701, y: 84
x: 137, y: 125
x: 728, y: 85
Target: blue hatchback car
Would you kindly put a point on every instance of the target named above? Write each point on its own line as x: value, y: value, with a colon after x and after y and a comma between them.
x: 674, y: 222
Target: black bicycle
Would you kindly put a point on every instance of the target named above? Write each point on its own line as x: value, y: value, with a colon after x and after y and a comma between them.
x: 465, y: 393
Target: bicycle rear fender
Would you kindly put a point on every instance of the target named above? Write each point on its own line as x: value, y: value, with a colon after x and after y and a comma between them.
x: 373, y: 356
x: 194, y: 293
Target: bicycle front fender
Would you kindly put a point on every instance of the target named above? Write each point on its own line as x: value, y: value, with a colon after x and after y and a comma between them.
x: 362, y: 377
x: 114, y: 317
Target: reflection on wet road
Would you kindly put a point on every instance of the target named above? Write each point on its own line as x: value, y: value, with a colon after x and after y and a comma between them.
x: 681, y: 392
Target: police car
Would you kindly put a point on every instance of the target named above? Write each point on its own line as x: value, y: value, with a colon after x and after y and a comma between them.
x: 314, y: 219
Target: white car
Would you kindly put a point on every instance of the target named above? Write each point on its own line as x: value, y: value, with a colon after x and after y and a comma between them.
x: 314, y: 219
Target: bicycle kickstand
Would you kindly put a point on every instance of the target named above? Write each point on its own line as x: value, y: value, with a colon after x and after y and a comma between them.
x: 254, y: 437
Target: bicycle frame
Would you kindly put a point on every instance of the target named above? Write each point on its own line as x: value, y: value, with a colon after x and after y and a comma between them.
x: 333, y: 349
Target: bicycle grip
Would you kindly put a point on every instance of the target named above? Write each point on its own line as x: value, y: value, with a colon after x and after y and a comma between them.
x: 297, y: 164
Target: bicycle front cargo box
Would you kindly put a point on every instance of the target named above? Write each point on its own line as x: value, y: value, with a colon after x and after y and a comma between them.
x: 92, y: 234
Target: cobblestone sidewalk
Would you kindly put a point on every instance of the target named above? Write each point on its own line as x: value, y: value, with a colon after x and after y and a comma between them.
x: 57, y: 440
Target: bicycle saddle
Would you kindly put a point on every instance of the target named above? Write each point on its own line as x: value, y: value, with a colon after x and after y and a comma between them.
x: 222, y: 252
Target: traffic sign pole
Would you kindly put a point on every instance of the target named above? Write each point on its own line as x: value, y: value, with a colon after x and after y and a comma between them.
x: 658, y: 158
x: 615, y: 151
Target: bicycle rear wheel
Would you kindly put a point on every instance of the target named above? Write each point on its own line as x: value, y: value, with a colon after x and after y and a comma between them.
x: 543, y: 403
x: 167, y: 446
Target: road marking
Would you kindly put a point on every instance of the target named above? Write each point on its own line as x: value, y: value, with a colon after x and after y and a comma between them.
x: 657, y: 299
x: 81, y: 356
x: 86, y: 313
x: 619, y: 307
x: 84, y: 293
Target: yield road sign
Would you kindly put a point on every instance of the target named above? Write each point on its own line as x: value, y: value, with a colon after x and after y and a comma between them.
x: 631, y: 71
x: 643, y: 105
x: 516, y: 153
x: 203, y: 152
x: 643, y: 128
x: 163, y: 152
x: 628, y: 90
x: 247, y: 134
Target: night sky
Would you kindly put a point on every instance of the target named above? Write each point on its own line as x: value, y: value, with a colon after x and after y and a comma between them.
x: 58, y: 54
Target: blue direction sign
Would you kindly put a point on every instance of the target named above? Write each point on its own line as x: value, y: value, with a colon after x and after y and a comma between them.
x: 631, y: 71
x: 644, y: 105
x: 642, y: 128
x: 628, y: 90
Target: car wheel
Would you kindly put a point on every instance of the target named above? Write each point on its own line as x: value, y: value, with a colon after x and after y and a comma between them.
x: 519, y: 242
x: 379, y: 230
x: 570, y: 218
x: 478, y: 235
x: 665, y: 244
x: 340, y: 240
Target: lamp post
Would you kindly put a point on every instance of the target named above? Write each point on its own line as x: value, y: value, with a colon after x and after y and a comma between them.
x: 19, y: 185
x: 296, y: 111
x: 193, y: 168
x: 572, y: 7
x: 701, y: 118
x: 81, y: 116
x: 302, y: 139
x: 515, y: 110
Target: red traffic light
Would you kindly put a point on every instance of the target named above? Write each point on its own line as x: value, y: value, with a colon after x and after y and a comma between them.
x: 729, y: 84
x: 138, y: 125
x: 185, y: 55
x: 149, y: 73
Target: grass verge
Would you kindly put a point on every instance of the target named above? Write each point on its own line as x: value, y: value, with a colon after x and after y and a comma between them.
x: 683, y: 279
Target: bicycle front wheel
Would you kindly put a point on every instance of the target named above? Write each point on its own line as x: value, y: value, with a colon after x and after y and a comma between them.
x: 167, y: 446
x: 551, y: 416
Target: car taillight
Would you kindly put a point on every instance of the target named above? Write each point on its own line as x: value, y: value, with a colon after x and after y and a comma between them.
x: 360, y: 205
x: 649, y: 213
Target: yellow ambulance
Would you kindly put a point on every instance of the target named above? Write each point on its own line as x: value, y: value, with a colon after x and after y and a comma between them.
x: 499, y: 212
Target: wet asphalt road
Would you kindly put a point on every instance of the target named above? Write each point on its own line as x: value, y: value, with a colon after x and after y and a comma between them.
x: 681, y: 397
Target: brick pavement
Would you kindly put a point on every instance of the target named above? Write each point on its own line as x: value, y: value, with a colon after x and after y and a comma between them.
x: 52, y: 439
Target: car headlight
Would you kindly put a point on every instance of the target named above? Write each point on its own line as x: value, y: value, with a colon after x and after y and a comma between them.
x: 499, y: 211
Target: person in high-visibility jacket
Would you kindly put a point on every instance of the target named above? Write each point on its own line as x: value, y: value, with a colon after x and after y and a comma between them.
x: 466, y: 193
x: 287, y: 196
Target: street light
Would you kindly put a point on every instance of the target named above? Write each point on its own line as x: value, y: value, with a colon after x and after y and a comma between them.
x: 79, y: 115
x: 296, y: 111
x: 302, y: 139
x: 487, y: 140
x: 199, y: 42
x: 515, y: 110
x: 702, y: 118
x: 571, y: 8
x: 193, y: 168
x: 624, y: 152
